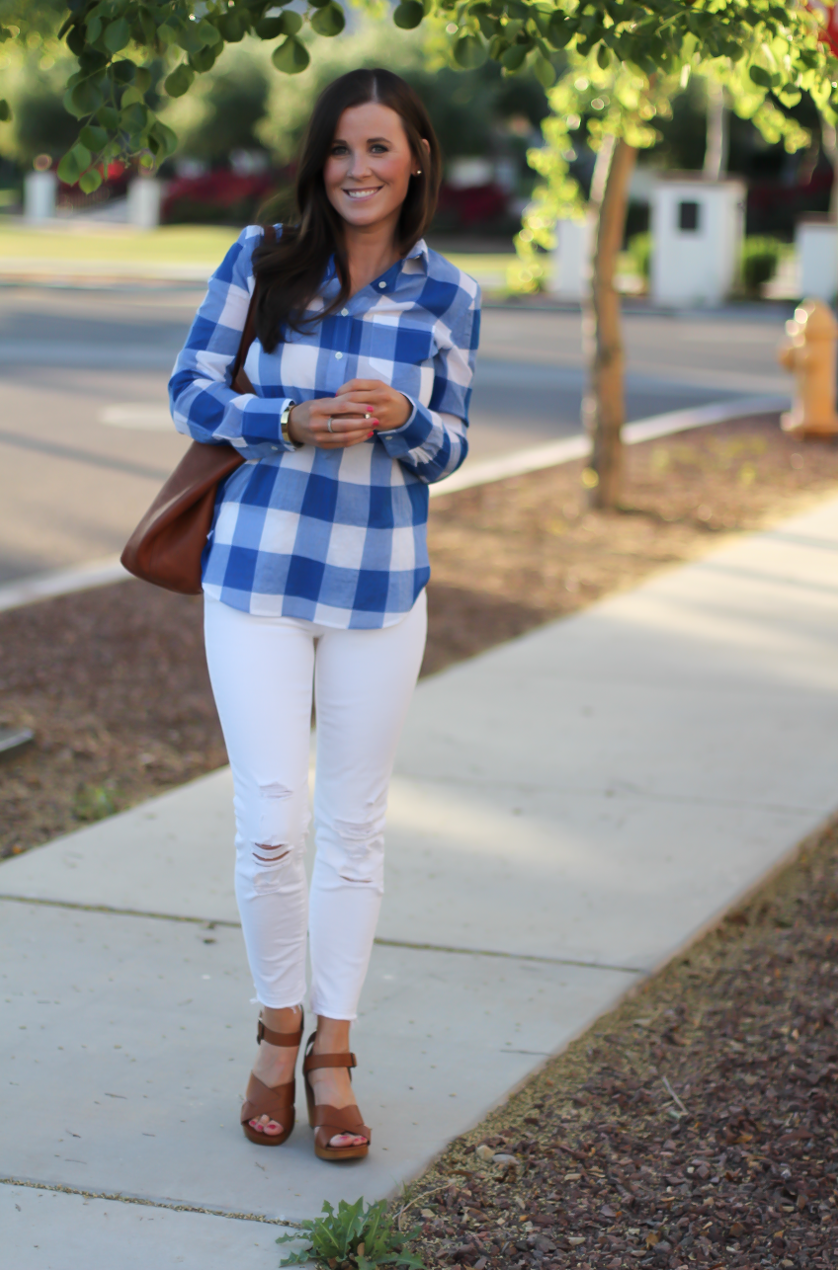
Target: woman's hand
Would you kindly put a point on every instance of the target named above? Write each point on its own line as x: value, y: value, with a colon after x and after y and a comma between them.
x: 390, y: 409
x: 333, y: 423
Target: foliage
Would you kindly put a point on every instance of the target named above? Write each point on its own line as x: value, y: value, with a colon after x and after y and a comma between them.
x: 758, y: 262
x: 626, y: 100
x: 762, y: 45
x: 353, y: 1236
x: 640, y: 251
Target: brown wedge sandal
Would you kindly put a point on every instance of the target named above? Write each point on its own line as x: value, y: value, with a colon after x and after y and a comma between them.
x: 277, y: 1102
x: 327, y: 1121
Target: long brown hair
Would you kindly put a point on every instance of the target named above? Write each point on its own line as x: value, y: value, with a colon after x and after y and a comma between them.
x: 291, y: 271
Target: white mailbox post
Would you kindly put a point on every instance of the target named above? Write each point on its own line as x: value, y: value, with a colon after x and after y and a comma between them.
x: 39, y: 191
x: 816, y: 240
x: 569, y: 280
x: 697, y: 228
x: 145, y: 194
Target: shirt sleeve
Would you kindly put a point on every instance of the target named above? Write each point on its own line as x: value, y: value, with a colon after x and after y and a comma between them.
x: 433, y: 443
x: 203, y: 403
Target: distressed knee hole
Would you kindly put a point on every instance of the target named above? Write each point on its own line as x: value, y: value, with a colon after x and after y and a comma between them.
x: 270, y: 854
x: 363, y: 854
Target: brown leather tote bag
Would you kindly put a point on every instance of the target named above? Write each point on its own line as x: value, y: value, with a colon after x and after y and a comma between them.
x: 166, y: 547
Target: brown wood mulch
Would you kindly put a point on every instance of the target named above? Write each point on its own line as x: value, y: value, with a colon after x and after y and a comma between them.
x: 114, y: 684
x: 695, y: 1126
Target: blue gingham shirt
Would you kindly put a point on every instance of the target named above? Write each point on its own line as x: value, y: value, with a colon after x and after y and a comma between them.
x: 337, y: 537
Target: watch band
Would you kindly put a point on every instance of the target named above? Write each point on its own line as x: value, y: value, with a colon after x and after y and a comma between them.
x: 283, y: 424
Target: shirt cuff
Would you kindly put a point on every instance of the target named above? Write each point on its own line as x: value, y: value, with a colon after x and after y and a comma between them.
x: 411, y: 435
x: 261, y: 429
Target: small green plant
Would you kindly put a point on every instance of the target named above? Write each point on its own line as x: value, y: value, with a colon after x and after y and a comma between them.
x: 353, y: 1237
x: 758, y: 262
x: 640, y: 252
x: 94, y: 802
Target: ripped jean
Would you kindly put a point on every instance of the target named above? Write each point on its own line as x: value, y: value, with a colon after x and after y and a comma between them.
x: 263, y: 670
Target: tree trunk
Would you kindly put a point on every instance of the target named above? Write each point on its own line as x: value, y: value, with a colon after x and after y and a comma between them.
x: 829, y: 141
x: 603, y: 409
x: 715, y: 155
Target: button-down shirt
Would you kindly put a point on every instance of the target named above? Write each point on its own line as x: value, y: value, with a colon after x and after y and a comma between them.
x: 337, y: 537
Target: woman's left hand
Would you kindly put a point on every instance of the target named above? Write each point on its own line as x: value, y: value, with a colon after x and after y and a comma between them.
x: 390, y: 408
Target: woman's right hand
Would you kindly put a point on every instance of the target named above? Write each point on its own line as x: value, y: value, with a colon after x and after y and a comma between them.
x: 351, y: 423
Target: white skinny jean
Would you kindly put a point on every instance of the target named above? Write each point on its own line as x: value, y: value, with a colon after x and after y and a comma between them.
x: 263, y: 671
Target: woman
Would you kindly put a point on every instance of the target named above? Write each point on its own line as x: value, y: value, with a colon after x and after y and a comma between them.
x: 316, y: 566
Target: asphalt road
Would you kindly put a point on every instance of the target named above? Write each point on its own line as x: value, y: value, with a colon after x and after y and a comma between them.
x: 85, y: 439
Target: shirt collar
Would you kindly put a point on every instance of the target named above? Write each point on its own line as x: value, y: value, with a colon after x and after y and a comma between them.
x: 419, y: 251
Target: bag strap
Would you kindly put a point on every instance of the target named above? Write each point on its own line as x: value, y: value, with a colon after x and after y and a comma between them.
x: 249, y: 332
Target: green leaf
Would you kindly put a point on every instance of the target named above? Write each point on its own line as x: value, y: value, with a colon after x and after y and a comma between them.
x: 469, y: 51
x: 208, y: 33
x: 75, y: 162
x: 514, y: 57
x: 93, y: 29
x: 760, y: 76
x: 329, y: 21
x: 545, y: 72
x: 142, y: 79
x: 319, y: 4
x: 134, y: 118
x: 132, y: 95
x: 290, y: 56
x: 291, y: 23
x: 560, y: 31
x: 108, y: 117
x: 94, y: 138
x: 603, y: 57
x: 231, y: 27
x: 203, y: 59
x: 5, y: 111
x: 90, y: 180
x: 166, y: 34
x: 180, y: 80
x: 76, y: 40
x: 165, y: 138
x: 408, y: 14
x: 117, y: 35
x: 85, y: 98
x: 124, y: 71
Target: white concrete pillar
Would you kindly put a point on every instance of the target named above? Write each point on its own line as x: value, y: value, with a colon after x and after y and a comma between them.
x: 569, y: 279
x: 697, y: 228
x: 39, y: 190
x: 816, y: 240
x: 144, y: 197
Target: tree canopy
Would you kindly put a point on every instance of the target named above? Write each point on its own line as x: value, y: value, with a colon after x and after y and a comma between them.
x: 123, y: 49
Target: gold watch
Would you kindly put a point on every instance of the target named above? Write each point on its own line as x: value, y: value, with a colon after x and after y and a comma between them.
x: 283, y: 424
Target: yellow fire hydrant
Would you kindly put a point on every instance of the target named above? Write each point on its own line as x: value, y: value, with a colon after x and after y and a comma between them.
x: 809, y: 353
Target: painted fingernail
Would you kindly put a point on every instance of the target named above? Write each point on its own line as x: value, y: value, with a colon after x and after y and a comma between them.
x: 370, y: 434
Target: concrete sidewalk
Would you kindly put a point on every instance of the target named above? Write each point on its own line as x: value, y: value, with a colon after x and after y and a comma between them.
x: 568, y: 810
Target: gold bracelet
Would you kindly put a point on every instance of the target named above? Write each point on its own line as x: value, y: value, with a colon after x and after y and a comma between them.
x: 283, y: 425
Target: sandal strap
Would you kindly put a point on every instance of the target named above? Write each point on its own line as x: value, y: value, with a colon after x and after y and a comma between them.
x: 277, y: 1038
x: 339, y: 1120
x: 313, y: 1062
x: 274, y: 1101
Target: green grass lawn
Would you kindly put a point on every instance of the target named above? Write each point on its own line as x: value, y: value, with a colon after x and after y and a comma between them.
x: 119, y: 245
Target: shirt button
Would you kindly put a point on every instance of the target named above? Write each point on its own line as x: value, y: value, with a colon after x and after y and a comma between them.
x: 338, y: 356
x: 382, y: 285
x: 344, y: 312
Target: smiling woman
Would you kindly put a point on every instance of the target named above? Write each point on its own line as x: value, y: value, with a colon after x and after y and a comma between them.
x: 316, y: 563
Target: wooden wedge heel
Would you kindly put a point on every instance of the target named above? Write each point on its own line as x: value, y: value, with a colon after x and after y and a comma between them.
x: 276, y: 1102
x: 328, y: 1121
